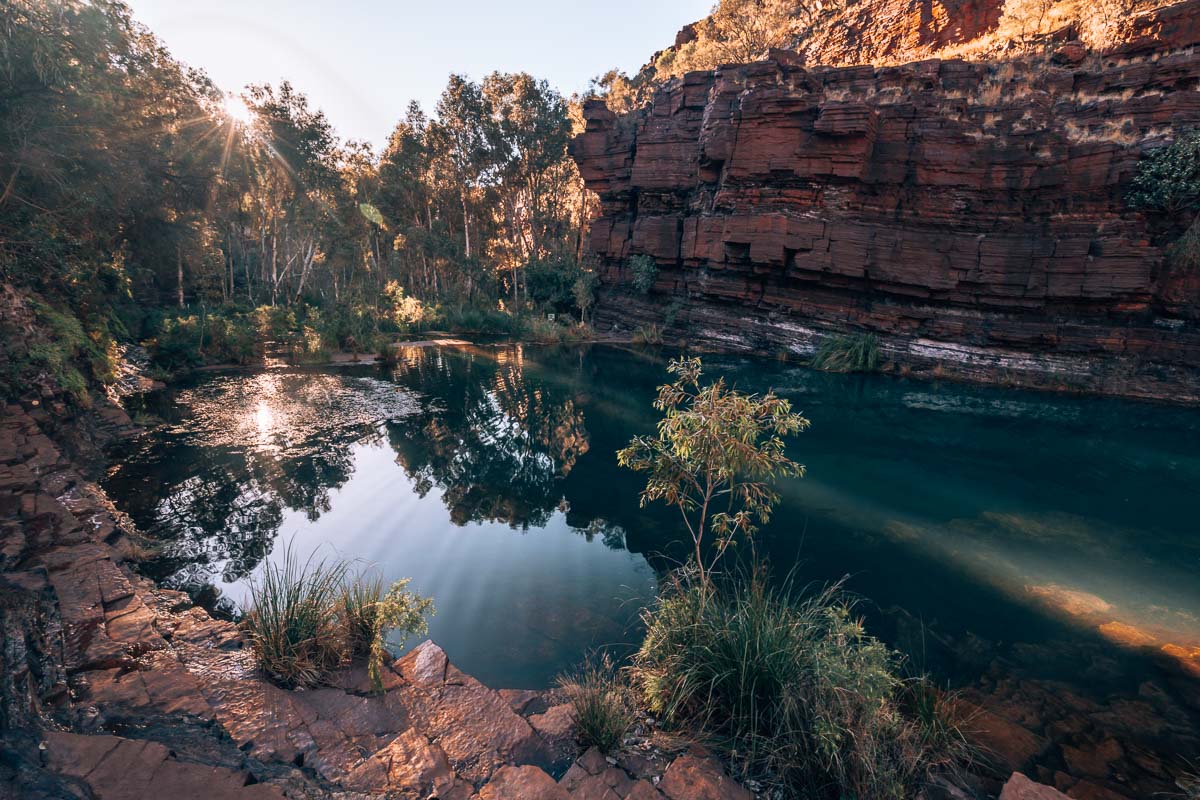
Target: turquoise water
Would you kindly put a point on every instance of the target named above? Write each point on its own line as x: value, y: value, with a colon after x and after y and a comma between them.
x: 976, y: 525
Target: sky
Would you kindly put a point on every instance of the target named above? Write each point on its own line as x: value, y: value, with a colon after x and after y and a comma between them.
x: 362, y: 61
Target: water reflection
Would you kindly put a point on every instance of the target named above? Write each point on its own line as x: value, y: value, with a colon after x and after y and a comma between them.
x: 1002, y: 525
x: 496, y: 444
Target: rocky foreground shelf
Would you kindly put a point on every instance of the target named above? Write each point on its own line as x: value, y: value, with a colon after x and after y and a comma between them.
x: 113, y: 688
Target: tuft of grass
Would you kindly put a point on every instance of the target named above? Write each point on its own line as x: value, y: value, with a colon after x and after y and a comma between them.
x: 1189, y: 784
x: 648, y: 334
x: 794, y: 690
x: 602, y: 702
x: 295, y: 638
x: 856, y: 353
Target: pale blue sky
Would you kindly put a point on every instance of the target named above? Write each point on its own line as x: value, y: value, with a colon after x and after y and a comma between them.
x: 361, y: 61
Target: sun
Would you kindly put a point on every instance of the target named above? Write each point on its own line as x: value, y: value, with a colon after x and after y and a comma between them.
x: 237, y: 110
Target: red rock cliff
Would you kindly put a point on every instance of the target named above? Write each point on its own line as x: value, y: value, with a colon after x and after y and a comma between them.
x: 971, y: 214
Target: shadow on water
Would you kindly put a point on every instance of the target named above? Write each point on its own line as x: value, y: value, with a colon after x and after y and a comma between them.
x: 986, y: 531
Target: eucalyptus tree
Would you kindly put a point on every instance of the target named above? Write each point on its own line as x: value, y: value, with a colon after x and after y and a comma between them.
x: 714, y: 456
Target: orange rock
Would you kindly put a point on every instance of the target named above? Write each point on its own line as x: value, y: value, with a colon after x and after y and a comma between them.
x: 522, y: 783
x: 692, y: 778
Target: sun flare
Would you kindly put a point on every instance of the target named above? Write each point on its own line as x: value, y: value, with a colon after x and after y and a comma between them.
x: 237, y: 110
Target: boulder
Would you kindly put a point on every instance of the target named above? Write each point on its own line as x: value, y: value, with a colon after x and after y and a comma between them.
x: 522, y: 783
x: 693, y: 778
x: 1020, y: 787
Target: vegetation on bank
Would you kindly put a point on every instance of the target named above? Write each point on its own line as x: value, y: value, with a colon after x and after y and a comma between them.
x: 305, y: 620
x: 788, y: 684
x: 604, y: 705
x: 851, y: 353
x: 793, y: 688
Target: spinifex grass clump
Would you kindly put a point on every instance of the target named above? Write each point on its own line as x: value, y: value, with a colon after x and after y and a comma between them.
x: 796, y: 691
x: 290, y: 624
x: 858, y: 353
x: 304, y: 621
x: 603, y: 705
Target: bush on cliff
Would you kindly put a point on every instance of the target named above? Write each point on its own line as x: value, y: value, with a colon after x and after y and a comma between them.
x: 645, y: 272
x: 1168, y: 179
x: 794, y: 690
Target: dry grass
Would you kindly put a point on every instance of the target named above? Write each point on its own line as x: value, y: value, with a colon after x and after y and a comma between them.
x: 602, y: 703
x: 1124, y: 132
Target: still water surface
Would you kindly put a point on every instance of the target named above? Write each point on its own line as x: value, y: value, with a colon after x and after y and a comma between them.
x: 975, y: 524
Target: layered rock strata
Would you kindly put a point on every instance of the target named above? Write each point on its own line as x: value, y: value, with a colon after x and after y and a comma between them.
x: 971, y: 214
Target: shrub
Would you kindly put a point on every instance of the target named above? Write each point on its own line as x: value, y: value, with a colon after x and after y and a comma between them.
x: 472, y: 319
x: 541, y: 329
x: 796, y: 690
x: 857, y: 353
x: 714, y: 457
x: 1184, y: 252
x: 601, y: 702
x: 368, y: 615
x: 1168, y: 179
x: 584, y: 292
x: 645, y: 273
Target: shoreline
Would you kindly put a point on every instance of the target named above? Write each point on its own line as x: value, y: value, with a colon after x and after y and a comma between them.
x: 122, y: 682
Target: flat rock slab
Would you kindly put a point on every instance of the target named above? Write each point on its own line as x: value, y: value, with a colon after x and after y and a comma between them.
x: 522, y: 783
x: 693, y: 778
x: 476, y: 727
x: 125, y: 769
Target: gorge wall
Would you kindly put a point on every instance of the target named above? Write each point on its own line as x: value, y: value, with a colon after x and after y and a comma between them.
x: 971, y: 214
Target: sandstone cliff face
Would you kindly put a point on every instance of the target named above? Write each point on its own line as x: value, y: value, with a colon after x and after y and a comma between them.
x: 971, y: 214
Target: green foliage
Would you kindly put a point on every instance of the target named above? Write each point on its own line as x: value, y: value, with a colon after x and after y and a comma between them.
x: 1168, y: 178
x: 602, y: 703
x: 369, y: 615
x: 856, y: 353
x: 716, y: 448
x: 403, y: 310
x: 671, y: 316
x: 550, y: 283
x: 306, y: 620
x: 645, y: 272
x: 583, y: 291
x: 472, y: 319
x: 163, y: 198
x: 796, y: 691
x: 223, y: 336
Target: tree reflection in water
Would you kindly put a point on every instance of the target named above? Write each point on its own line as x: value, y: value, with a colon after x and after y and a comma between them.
x: 239, y: 452
x: 497, y: 441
